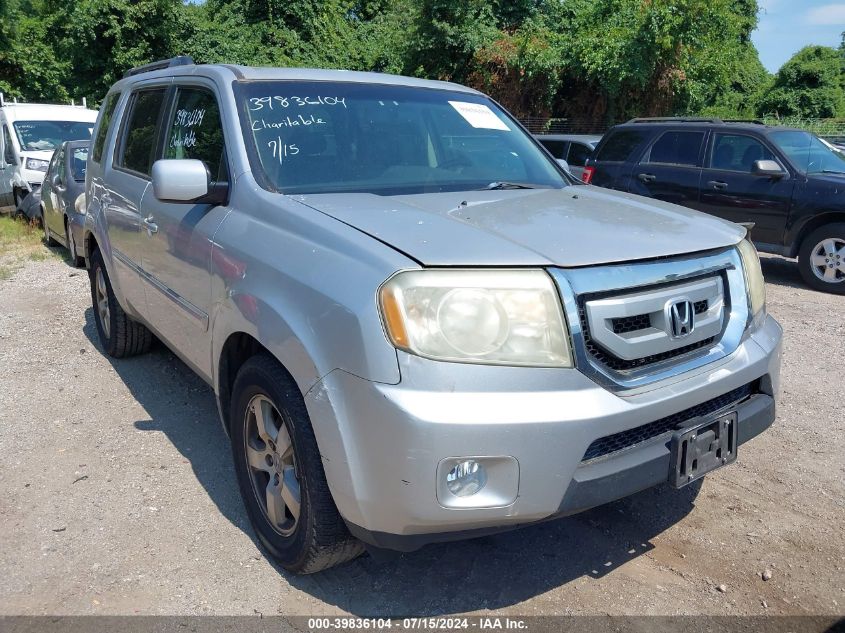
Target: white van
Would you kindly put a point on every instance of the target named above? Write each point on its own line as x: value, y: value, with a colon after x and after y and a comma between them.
x: 29, y: 133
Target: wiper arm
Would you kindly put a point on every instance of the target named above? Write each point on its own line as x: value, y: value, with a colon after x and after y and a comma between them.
x: 504, y: 184
x: 832, y: 171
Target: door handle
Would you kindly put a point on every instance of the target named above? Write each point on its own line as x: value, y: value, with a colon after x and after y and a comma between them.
x: 151, y: 226
x: 717, y: 184
x: 647, y: 177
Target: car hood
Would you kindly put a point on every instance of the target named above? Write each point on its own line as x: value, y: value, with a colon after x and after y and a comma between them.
x: 575, y: 226
x: 39, y: 154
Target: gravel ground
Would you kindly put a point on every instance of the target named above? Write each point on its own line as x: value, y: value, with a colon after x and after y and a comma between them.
x: 117, y: 496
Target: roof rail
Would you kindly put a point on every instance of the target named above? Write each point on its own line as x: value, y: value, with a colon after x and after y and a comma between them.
x: 754, y: 121
x: 675, y: 119
x: 181, y: 60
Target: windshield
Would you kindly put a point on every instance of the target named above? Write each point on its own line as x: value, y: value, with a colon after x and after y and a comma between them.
x: 327, y: 137
x: 48, y: 135
x: 808, y: 152
x: 79, y: 158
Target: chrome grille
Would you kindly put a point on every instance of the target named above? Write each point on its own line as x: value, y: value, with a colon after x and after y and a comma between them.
x: 642, y: 311
x: 631, y: 341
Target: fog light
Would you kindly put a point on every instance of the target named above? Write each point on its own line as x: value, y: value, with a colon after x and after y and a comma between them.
x: 466, y: 478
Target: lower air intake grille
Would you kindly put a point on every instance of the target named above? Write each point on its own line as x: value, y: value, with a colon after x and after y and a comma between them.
x: 626, y: 439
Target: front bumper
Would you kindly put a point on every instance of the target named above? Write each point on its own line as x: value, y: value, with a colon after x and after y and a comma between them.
x: 381, y: 444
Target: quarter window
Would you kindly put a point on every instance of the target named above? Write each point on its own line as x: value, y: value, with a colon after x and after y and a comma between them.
x: 103, y: 129
x: 557, y: 148
x: 139, y: 141
x: 8, y: 151
x: 578, y: 154
x: 736, y: 152
x: 195, y: 131
x: 620, y: 146
x: 676, y: 148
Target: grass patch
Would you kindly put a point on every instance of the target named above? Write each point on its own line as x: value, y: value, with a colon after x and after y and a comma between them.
x: 21, y: 241
x: 17, y: 235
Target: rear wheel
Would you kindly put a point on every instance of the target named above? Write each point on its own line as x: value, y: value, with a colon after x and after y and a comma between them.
x: 119, y: 334
x: 280, y: 472
x: 821, y: 259
x: 75, y: 260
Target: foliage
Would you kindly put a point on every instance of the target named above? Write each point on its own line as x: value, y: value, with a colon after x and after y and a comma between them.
x: 808, y: 85
x: 599, y: 60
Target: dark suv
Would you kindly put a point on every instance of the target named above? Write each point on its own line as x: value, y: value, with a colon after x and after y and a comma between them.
x: 788, y: 182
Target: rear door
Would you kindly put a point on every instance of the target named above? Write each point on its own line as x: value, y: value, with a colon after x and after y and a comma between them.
x: 51, y: 199
x: 729, y: 189
x: 670, y: 169
x: 126, y: 180
x: 610, y: 165
x: 177, y: 237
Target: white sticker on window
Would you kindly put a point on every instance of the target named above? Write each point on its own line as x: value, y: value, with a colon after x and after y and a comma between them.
x: 479, y: 115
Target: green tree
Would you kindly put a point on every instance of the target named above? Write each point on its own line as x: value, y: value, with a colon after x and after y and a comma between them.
x: 809, y: 85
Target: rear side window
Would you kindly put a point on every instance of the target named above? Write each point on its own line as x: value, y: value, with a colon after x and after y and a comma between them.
x: 578, y: 154
x: 8, y: 151
x: 195, y: 131
x: 736, y: 152
x: 621, y: 145
x: 139, y: 136
x: 676, y: 148
x: 557, y: 148
x: 105, y: 123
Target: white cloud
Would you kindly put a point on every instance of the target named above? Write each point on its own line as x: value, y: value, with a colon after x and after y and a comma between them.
x: 826, y: 15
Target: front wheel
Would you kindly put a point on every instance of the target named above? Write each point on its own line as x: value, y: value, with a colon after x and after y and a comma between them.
x: 48, y: 237
x: 821, y: 259
x: 280, y: 473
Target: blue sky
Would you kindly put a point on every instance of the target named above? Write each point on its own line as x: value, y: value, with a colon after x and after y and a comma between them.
x: 786, y: 26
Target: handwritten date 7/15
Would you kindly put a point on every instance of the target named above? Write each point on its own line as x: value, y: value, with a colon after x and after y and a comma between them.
x: 282, y: 150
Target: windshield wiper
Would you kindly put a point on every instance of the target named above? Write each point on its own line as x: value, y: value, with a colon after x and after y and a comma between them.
x: 504, y: 184
x: 832, y: 171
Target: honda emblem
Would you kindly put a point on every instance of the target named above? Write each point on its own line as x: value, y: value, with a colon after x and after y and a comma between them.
x: 680, y: 317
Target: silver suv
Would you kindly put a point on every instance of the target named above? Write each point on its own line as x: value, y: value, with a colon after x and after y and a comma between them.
x: 417, y: 326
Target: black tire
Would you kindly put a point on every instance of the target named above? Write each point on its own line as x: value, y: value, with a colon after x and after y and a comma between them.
x: 811, y: 272
x: 122, y: 336
x: 75, y: 260
x: 318, y: 538
x: 48, y: 238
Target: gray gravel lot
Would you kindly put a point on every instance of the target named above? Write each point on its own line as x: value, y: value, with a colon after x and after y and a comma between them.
x: 117, y: 496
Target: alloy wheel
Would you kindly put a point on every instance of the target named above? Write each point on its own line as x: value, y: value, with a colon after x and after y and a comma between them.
x: 272, y: 465
x: 103, y: 302
x: 828, y: 260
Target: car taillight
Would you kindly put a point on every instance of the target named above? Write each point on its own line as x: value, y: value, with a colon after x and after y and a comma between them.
x: 587, y: 175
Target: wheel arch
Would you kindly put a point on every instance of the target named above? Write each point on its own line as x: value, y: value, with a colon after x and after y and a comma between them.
x: 816, y: 221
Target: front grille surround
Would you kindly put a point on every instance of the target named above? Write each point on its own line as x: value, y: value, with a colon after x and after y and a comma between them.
x: 619, y: 279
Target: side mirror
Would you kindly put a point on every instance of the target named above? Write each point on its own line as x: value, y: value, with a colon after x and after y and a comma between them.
x: 56, y: 180
x: 563, y: 164
x: 186, y: 180
x: 767, y: 168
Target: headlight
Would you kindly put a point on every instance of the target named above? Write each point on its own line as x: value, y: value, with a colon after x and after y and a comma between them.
x: 496, y: 317
x: 37, y: 165
x: 754, y: 284
x: 79, y: 204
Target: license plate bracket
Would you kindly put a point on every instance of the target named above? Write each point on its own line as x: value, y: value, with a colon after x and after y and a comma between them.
x: 701, y: 447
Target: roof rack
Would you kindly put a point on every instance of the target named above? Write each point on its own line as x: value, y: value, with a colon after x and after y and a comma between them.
x: 754, y: 121
x: 675, y: 119
x: 181, y: 60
